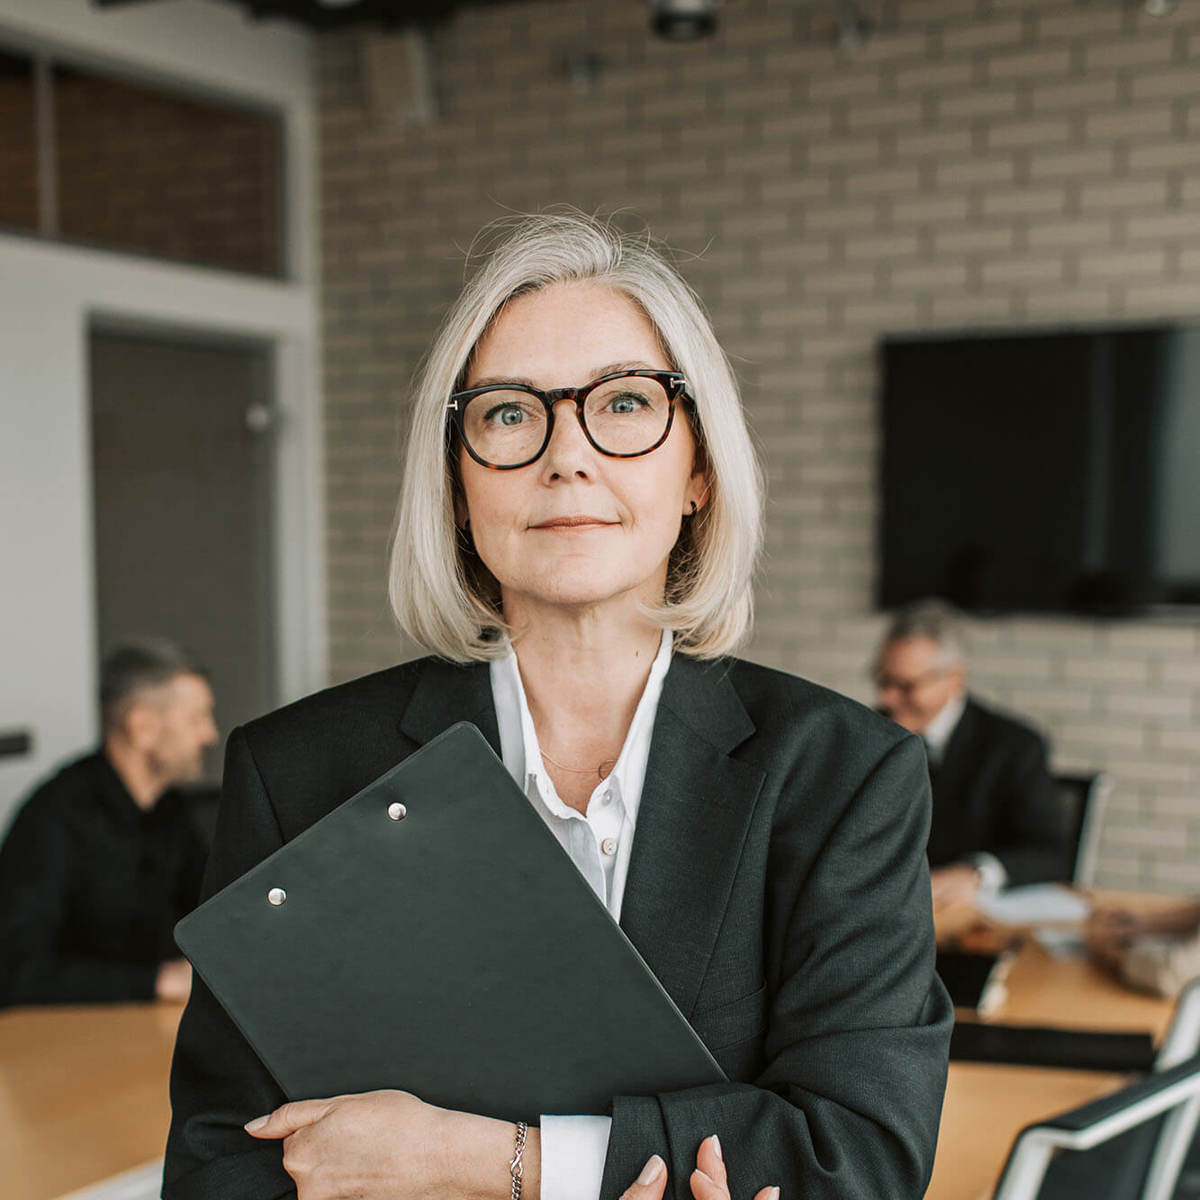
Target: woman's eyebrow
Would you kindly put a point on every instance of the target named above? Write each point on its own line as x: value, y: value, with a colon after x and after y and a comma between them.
x: 599, y: 372
x: 492, y: 380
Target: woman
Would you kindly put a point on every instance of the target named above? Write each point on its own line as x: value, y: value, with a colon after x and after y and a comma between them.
x: 578, y: 527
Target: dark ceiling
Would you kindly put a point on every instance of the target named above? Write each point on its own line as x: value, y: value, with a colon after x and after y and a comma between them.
x: 392, y: 14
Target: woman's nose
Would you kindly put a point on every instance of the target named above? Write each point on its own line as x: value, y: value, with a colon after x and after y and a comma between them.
x: 569, y: 453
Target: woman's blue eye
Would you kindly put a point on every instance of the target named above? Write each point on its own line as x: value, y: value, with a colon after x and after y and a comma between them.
x: 506, y: 414
x: 627, y: 402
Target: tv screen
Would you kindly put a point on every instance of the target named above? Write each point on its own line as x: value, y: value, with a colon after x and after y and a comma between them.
x: 1042, y: 471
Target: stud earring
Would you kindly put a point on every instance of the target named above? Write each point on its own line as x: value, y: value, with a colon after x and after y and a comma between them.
x: 695, y: 509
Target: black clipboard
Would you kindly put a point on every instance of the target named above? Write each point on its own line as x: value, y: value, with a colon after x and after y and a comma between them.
x: 430, y: 934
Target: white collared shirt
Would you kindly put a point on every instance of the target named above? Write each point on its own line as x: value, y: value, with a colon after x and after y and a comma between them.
x: 940, y: 730
x: 599, y: 844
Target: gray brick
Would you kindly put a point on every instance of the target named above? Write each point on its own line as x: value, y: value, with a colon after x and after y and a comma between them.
x: 1028, y: 64
x: 1086, y: 94
x: 1127, y: 52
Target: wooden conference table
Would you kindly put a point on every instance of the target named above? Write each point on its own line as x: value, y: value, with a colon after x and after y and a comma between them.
x: 83, y: 1091
x: 988, y: 1104
x: 83, y: 1094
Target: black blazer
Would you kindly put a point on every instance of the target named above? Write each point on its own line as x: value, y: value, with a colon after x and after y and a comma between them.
x: 993, y: 792
x: 91, y: 886
x: 777, y: 887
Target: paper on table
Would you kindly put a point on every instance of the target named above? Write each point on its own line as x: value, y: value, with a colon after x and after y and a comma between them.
x: 1060, y: 942
x: 1034, y: 904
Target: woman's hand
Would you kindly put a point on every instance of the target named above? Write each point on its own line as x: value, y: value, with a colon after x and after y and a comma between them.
x: 379, y: 1145
x: 708, y: 1181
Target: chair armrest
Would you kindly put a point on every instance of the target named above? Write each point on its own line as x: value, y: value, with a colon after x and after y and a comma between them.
x: 1093, y: 1123
x: 1096, y: 1122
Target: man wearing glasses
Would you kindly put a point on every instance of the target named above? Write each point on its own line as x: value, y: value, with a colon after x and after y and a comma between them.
x: 997, y: 820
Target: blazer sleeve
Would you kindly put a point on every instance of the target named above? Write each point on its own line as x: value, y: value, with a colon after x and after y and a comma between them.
x: 1032, y: 831
x: 217, y: 1081
x: 848, y: 1099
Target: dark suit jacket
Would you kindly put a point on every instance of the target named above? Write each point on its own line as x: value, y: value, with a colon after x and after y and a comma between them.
x: 993, y: 792
x: 91, y: 887
x: 777, y: 887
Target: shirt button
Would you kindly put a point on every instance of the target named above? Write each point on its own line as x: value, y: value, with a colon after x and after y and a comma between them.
x: 606, y: 798
x: 609, y: 845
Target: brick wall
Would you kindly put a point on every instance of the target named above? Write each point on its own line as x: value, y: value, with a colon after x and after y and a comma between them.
x: 146, y: 170
x: 976, y: 163
x: 167, y: 175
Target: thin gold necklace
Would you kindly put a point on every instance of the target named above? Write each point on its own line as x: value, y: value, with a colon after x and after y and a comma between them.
x: 600, y: 767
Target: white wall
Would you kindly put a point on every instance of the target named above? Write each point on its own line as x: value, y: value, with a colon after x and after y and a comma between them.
x: 48, y: 296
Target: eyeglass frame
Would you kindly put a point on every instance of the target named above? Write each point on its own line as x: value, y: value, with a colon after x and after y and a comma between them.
x: 674, y: 383
x: 909, y: 687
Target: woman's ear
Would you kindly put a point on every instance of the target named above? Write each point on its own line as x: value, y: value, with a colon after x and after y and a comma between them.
x: 696, y: 495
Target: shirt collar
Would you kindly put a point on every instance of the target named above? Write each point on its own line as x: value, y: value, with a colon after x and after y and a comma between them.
x: 112, y: 788
x: 939, y: 731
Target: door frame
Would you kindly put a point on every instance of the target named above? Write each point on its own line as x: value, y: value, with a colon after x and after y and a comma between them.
x: 297, y: 563
x: 53, y: 295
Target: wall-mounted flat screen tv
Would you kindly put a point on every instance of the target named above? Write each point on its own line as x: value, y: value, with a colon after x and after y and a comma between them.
x: 1042, y: 471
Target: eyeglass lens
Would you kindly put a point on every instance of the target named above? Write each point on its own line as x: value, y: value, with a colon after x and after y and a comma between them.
x: 627, y: 415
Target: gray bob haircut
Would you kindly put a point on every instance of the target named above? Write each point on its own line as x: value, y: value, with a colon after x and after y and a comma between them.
x: 441, y: 593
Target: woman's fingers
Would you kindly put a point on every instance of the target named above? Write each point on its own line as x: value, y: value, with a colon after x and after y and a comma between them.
x: 288, y: 1118
x: 710, y: 1161
x: 651, y: 1183
x: 708, y: 1181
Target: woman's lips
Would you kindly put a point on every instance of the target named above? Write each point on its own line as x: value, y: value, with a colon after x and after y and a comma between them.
x: 563, y: 524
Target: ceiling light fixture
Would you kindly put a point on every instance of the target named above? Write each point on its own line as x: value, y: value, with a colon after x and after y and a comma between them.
x: 683, y: 20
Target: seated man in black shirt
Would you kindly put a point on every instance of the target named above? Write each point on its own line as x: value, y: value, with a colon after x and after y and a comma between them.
x: 104, y: 858
x: 997, y: 819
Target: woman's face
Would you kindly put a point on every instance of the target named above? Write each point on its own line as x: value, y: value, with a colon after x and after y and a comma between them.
x: 576, y: 527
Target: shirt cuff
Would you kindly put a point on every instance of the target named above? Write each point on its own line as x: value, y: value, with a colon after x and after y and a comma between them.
x: 992, y: 875
x: 573, y: 1153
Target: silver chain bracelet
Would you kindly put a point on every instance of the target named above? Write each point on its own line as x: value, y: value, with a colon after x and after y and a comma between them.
x: 516, y: 1168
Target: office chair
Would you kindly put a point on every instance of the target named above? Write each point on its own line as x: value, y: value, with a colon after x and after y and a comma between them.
x: 1147, y: 1171
x: 1084, y: 797
x: 1127, y: 1146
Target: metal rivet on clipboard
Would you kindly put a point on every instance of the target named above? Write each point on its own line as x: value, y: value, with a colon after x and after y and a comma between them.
x: 277, y: 896
x: 397, y: 811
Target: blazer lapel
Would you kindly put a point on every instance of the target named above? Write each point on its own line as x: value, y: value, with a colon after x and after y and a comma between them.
x: 951, y: 823
x: 447, y: 693
x: 959, y: 757
x: 692, y: 822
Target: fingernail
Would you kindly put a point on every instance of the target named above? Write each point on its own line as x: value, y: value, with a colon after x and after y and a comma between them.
x: 704, y: 1175
x: 255, y: 1125
x: 652, y: 1170
x: 716, y: 1141
x: 773, y: 1194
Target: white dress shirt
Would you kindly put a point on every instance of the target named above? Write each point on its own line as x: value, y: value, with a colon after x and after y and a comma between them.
x: 938, y: 732
x: 937, y: 735
x: 599, y: 843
